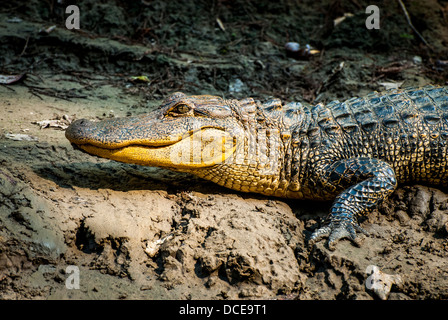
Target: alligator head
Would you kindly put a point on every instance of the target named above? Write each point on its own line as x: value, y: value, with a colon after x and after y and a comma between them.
x: 236, y: 143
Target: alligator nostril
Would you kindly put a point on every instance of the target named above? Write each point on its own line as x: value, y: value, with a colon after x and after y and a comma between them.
x: 81, y: 123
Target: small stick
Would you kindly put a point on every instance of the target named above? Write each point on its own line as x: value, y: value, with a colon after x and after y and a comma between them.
x: 5, y: 86
x: 411, y: 25
x: 26, y: 46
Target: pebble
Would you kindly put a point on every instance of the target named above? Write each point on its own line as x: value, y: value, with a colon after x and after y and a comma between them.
x: 417, y: 60
x: 236, y: 86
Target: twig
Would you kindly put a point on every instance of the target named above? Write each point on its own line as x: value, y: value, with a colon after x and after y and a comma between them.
x: 411, y: 25
x: 5, y: 86
x: 59, y: 94
x: 35, y: 94
x: 26, y: 46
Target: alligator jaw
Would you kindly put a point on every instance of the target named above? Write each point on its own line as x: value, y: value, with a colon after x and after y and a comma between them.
x: 203, y: 148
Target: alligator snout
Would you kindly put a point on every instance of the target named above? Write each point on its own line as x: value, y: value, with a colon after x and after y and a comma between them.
x: 78, y: 131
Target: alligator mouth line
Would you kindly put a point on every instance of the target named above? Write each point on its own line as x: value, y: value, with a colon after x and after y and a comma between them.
x: 91, y: 146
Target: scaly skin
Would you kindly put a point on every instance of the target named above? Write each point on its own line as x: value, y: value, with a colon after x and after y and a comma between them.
x: 354, y: 152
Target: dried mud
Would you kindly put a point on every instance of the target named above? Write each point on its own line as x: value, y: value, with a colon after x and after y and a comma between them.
x: 147, y: 233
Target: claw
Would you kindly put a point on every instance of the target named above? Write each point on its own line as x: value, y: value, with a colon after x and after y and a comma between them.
x: 337, y: 231
x: 319, y: 234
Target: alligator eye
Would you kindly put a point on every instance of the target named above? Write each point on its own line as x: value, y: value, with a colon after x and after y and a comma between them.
x: 182, y: 108
x: 179, y: 109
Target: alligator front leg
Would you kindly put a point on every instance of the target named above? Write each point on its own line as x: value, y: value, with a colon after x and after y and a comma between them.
x: 365, y: 182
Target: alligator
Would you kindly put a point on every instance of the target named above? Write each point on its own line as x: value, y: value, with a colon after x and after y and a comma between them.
x: 353, y: 153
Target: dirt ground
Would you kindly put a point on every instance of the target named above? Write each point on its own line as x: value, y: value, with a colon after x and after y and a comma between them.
x: 146, y: 233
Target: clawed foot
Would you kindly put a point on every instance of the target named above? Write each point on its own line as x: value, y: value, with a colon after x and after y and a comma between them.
x: 336, y: 231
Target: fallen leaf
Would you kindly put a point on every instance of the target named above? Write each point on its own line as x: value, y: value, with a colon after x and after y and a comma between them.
x: 20, y: 137
x: 59, y: 122
x: 137, y: 79
x: 381, y: 283
x: 220, y: 24
x: 14, y: 20
x: 47, y: 30
x: 390, y: 85
x: 340, y: 19
x: 152, y: 247
x: 11, y: 79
